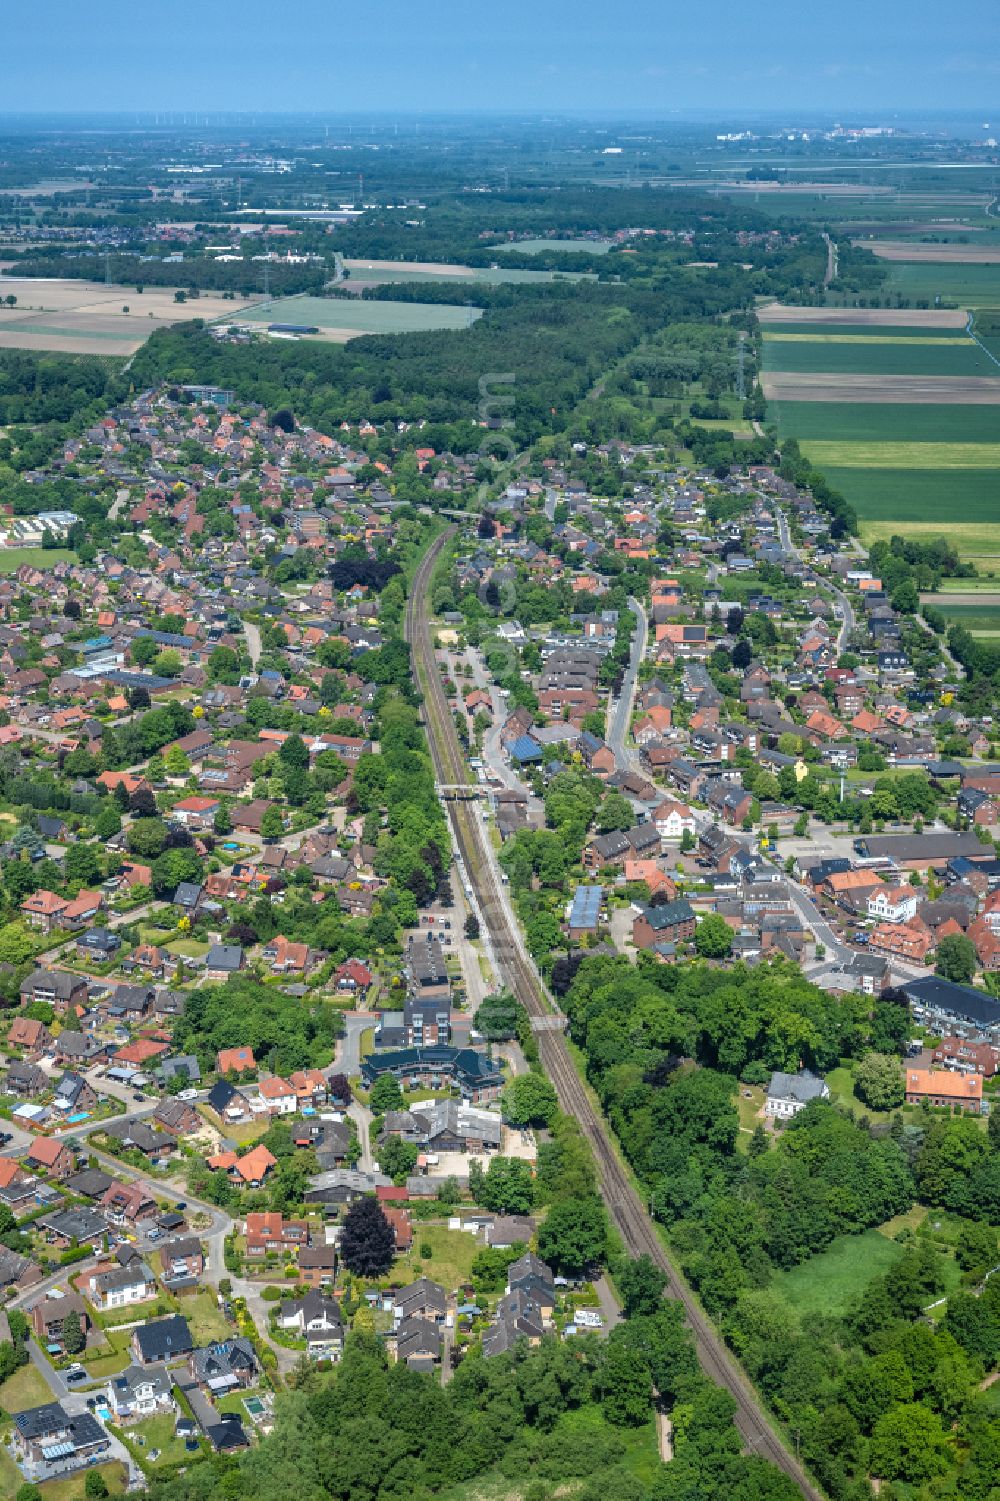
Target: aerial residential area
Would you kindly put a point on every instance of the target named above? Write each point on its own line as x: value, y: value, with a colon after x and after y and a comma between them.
x: 499, y: 805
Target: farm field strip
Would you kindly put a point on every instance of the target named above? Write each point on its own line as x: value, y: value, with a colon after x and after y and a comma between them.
x: 904, y: 337
x: 876, y: 422
x: 64, y: 315
x: 777, y: 312
x: 843, y: 386
x: 902, y: 455
x: 381, y: 273
x: 538, y: 246
x: 936, y: 254
x: 873, y: 357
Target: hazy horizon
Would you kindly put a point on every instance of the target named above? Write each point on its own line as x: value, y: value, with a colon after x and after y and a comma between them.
x: 443, y: 58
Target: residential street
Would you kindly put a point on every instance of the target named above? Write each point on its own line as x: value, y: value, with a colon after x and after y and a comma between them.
x: 620, y: 710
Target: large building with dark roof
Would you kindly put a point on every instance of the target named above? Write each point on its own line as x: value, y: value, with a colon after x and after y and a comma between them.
x: 951, y: 1009
x: 431, y: 1068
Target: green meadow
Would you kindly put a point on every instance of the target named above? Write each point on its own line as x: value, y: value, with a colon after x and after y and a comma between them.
x: 977, y: 286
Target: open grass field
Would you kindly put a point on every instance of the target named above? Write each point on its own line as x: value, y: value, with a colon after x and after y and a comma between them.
x: 935, y: 253
x: 902, y: 455
x: 830, y: 1283
x: 771, y: 313
x: 536, y: 247
x: 12, y: 558
x: 86, y: 317
x: 450, y: 1261
x: 881, y: 422
x: 952, y: 356
x: 340, y: 320
x: 978, y: 542
x: 972, y: 286
x: 841, y: 386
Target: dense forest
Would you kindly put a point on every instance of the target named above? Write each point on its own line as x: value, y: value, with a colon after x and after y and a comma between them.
x: 198, y: 273
x: 559, y: 1418
x: 875, y: 1388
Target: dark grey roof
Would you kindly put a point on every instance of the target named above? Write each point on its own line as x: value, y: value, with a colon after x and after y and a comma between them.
x: 164, y: 1339
x: 952, y: 1000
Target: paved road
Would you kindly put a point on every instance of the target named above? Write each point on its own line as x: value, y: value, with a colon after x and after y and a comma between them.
x: 620, y: 716
x: 836, y: 593
x: 830, y: 273
x: 252, y: 634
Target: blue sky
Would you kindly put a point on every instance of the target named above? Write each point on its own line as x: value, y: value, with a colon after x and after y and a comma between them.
x: 442, y: 55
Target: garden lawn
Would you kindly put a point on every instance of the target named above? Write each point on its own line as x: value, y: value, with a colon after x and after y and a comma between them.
x: 26, y: 1388
x: 206, y: 1319
x: 749, y: 1113
x: 841, y: 1083
x: 159, y: 1434
x: 830, y: 1283
x: 11, y: 1478
x: 71, y: 1487
x: 118, y: 1358
x: 450, y: 1263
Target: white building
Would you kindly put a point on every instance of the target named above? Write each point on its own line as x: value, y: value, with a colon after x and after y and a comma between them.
x: 790, y: 1093
x: 893, y: 903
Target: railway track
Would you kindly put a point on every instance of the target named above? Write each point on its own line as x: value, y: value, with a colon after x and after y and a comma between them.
x: 624, y: 1204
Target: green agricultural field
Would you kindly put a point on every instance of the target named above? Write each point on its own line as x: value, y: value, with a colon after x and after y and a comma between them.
x: 882, y: 422
x: 976, y: 286
x: 934, y: 496
x: 902, y: 455
x: 361, y: 317
x: 979, y: 619
x: 959, y: 586
x: 538, y: 247
x: 830, y: 1283
x: 873, y: 357
x: 979, y: 542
